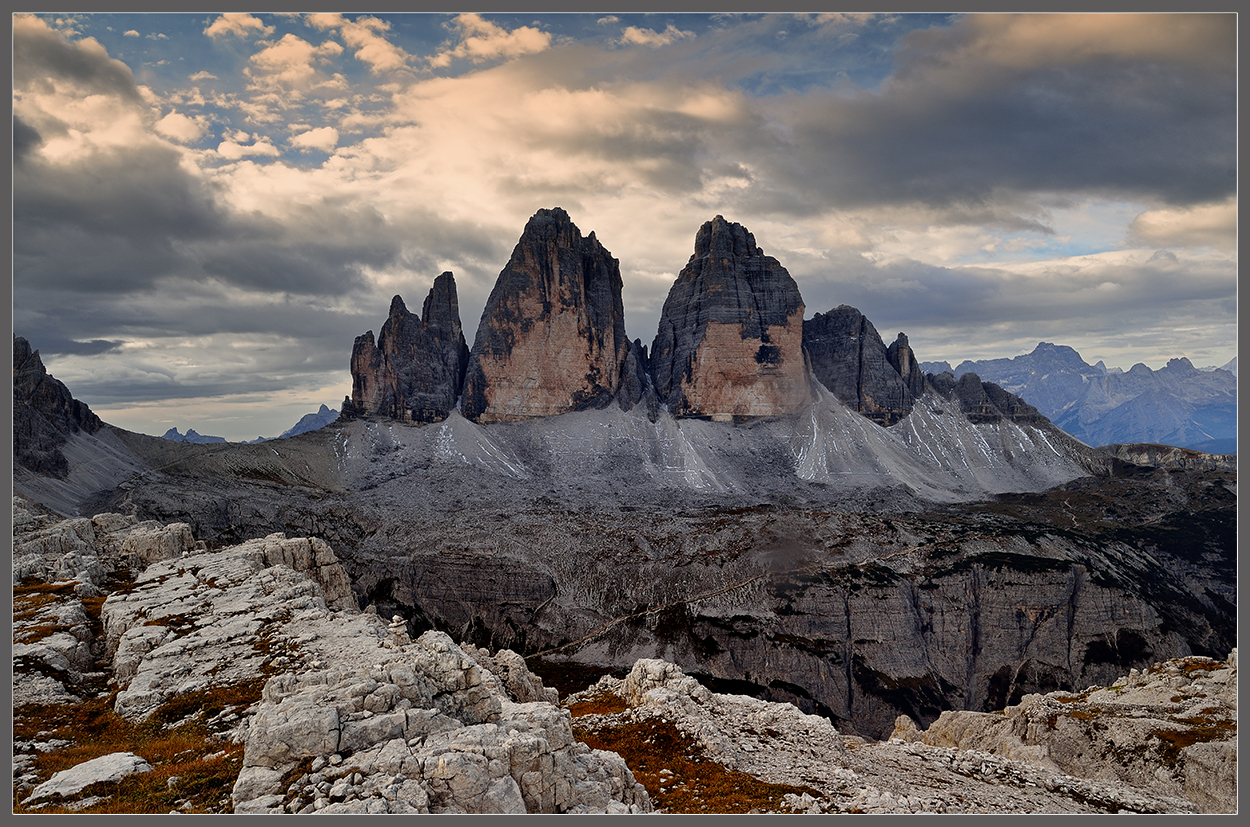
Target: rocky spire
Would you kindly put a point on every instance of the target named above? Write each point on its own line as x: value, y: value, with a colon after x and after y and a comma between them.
x: 416, y: 368
x: 729, y: 345
x: 849, y: 358
x: 552, y: 336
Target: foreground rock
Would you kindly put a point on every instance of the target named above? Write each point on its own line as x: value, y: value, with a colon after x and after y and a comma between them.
x: 552, y: 335
x: 415, y: 370
x: 778, y: 744
x: 1171, y: 728
x: 111, y: 767
x: 730, y: 342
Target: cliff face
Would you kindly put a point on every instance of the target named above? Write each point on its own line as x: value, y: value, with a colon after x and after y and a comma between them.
x: 552, y: 335
x: 850, y: 359
x: 415, y: 370
x: 45, y: 415
x: 730, y: 340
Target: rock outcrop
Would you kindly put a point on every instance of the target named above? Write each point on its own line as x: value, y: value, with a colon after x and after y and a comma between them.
x: 552, y: 335
x: 730, y: 340
x: 850, y: 359
x: 825, y: 772
x: 415, y: 370
x: 1171, y: 457
x: 1171, y: 728
x: 45, y: 415
x: 985, y: 402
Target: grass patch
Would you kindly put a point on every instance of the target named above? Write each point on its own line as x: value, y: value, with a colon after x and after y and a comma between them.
x: 176, y: 740
x: 676, y: 773
x: 601, y: 703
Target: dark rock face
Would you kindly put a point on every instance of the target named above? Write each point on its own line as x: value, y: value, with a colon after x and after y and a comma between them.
x: 984, y: 401
x: 636, y: 387
x: 730, y: 342
x: 45, y: 414
x: 849, y: 358
x: 415, y: 370
x: 552, y: 336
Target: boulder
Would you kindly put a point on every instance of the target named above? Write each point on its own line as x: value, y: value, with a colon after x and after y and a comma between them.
x: 730, y: 340
x: 552, y: 335
x: 111, y: 767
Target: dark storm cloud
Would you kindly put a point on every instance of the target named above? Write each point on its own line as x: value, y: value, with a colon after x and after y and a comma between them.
x: 961, y: 127
x: 25, y: 139
x: 50, y: 345
x: 41, y: 55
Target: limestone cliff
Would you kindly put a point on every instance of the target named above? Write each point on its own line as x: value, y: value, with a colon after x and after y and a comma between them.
x: 850, y: 359
x: 552, y: 335
x: 730, y: 341
x: 415, y: 370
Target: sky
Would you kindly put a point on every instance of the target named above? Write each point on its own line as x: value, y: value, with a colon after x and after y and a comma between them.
x: 209, y: 208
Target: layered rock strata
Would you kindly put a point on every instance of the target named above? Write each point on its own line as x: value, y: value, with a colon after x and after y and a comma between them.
x: 850, y: 359
x: 552, y: 335
x: 985, y: 402
x: 730, y: 339
x: 415, y: 370
x: 45, y: 415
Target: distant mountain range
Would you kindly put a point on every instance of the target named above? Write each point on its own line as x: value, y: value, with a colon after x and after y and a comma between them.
x: 308, y: 422
x: 1176, y: 405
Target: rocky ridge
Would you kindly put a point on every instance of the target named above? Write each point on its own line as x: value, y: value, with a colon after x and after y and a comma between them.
x: 552, y: 335
x: 45, y: 415
x: 841, y: 774
x: 730, y: 339
x: 373, y: 721
x: 849, y: 358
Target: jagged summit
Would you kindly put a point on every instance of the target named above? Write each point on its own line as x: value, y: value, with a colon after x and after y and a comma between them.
x: 45, y: 414
x: 730, y: 339
x: 414, y: 371
x: 552, y: 335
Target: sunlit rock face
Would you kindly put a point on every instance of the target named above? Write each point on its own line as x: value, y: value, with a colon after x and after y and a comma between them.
x: 414, y: 371
x: 730, y: 342
x: 552, y: 336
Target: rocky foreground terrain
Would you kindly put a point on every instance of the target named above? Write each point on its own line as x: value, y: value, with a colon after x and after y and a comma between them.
x: 153, y: 674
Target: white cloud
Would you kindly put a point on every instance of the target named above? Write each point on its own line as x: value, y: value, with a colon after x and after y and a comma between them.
x: 325, y: 139
x: 240, y: 25
x: 290, y: 62
x: 482, y: 40
x: 652, y: 39
x: 611, y: 18
x: 232, y: 151
x: 366, y: 36
x: 130, y: 33
x: 202, y: 75
x: 181, y: 128
x: 1213, y: 225
x: 158, y: 36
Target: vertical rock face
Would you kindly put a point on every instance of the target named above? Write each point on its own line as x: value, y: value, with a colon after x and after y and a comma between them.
x: 45, y: 414
x: 984, y: 402
x: 415, y: 370
x: 849, y: 358
x: 552, y: 335
x: 730, y: 342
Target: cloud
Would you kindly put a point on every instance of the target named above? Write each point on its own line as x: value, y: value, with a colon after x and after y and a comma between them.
x: 366, y: 36
x: 290, y: 62
x: 635, y: 36
x: 181, y: 128
x: 130, y: 33
x: 202, y: 75
x: 157, y: 36
x: 611, y: 18
x: 323, y: 138
x: 1213, y: 225
x: 233, y: 151
x: 482, y: 40
x: 240, y: 25
x: 42, y: 55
